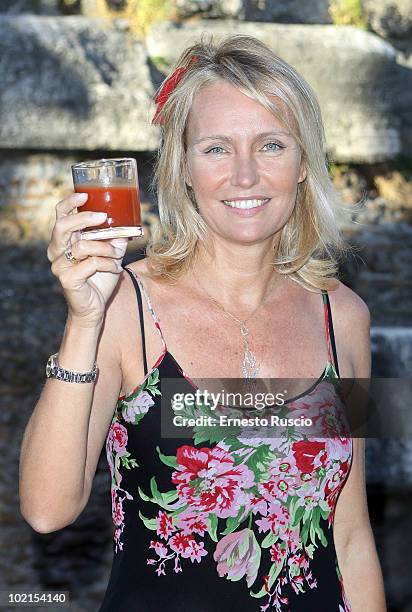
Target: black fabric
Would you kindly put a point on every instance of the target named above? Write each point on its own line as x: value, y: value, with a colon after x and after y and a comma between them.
x: 140, y: 306
x: 332, y: 335
x: 142, y: 463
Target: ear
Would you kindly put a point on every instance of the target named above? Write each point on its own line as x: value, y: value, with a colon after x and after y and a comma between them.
x: 302, y: 173
x: 186, y: 175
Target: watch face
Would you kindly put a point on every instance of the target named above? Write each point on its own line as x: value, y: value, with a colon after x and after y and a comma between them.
x: 50, y: 367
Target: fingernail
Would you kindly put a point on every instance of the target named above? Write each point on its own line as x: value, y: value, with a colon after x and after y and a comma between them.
x: 119, y: 242
x: 99, y: 215
x: 81, y: 196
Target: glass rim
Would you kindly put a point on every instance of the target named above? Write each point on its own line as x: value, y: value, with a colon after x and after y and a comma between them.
x: 99, y: 163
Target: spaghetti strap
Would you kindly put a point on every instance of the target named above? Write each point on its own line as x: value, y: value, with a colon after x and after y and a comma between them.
x: 140, y: 290
x: 330, y: 335
x: 140, y: 306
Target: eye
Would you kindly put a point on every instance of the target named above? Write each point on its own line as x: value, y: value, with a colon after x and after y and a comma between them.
x: 213, y: 149
x: 273, y: 146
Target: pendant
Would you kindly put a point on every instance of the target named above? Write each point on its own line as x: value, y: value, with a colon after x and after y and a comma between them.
x: 250, y: 367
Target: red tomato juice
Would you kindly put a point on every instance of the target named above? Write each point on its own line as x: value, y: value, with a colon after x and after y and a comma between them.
x: 122, y: 205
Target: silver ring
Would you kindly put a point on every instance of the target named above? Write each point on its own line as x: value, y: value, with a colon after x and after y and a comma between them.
x: 69, y: 255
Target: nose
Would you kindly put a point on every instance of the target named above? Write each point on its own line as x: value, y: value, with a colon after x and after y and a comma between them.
x: 244, y: 172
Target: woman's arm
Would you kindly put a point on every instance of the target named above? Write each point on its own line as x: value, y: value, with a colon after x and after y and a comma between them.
x: 354, y: 541
x: 64, y: 437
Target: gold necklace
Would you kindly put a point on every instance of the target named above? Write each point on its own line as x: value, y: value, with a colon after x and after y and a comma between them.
x: 250, y: 366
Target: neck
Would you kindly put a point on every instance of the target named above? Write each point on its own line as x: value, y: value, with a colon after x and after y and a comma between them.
x: 240, y: 277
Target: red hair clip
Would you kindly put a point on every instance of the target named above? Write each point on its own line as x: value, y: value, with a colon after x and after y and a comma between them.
x: 168, y: 86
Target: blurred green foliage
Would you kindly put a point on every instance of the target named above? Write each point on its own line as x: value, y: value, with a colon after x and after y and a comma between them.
x: 139, y: 13
x: 347, y: 12
x: 161, y: 64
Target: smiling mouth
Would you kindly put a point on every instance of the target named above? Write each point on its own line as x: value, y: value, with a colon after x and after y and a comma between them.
x: 245, y: 204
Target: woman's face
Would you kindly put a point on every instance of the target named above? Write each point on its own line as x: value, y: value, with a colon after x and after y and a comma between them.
x: 242, y: 165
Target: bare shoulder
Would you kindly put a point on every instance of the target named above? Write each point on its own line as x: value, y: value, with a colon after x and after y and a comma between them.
x: 141, y: 268
x: 119, y: 302
x: 351, y: 323
x: 348, y: 308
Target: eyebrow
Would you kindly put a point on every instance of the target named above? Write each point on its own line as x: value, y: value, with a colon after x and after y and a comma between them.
x: 228, y: 139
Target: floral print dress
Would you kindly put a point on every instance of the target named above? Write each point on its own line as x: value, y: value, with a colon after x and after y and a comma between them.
x: 242, y: 522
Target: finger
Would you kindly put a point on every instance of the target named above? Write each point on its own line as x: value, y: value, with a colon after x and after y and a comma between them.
x: 83, y: 249
x: 66, y: 206
x: 89, y: 248
x: 74, y: 276
x: 65, y: 227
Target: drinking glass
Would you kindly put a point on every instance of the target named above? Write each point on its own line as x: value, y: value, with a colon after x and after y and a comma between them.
x: 113, y: 187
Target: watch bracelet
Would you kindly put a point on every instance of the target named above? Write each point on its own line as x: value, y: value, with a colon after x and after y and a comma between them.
x: 76, y: 377
x: 59, y: 373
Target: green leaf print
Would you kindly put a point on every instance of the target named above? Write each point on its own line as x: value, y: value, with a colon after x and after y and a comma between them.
x: 149, y: 523
x: 169, y: 460
x: 258, y: 462
x: 161, y: 499
x: 312, y: 532
x: 233, y: 522
x: 298, y: 515
x: 213, y: 521
x: 321, y: 536
x: 269, y: 540
x: 152, y: 383
x: 304, y: 534
x: 128, y: 463
x: 213, y: 434
x: 310, y: 550
x: 274, y: 572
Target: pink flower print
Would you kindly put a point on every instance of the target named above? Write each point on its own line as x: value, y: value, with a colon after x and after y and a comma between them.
x: 278, y: 552
x: 119, y: 435
x: 275, y: 520
x: 159, y: 548
x: 164, y: 525
x: 238, y: 555
x: 110, y: 449
x: 305, y: 452
x: 285, y: 466
x: 258, y: 505
x: 139, y: 405
x: 163, y: 555
x: 277, y: 488
x: 338, y: 449
x: 208, y: 479
x: 190, y: 521
x: 292, y: 538
x: 117, y: 533
x: 310, y: 497
x: 117, y: 508
x: 187, y: 547
x: 334, y: 482
x: 298, y: 565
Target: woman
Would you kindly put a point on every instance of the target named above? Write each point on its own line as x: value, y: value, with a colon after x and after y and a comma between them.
x: 240, y: 283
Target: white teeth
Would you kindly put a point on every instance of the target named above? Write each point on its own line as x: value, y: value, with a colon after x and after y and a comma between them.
x: 245, y: 203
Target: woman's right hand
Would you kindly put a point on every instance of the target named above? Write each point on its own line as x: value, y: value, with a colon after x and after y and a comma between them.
x: 87, y: 285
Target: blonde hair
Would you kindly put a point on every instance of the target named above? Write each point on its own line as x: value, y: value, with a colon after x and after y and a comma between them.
x: 310, y: 242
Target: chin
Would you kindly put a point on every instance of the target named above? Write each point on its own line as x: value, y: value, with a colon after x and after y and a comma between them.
x: 250, y: 238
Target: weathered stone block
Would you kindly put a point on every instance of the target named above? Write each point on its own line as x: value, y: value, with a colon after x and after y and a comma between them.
x: 73, y: 83
x: 354, y: 74
x: 287, y: 11
x: 389, y: 18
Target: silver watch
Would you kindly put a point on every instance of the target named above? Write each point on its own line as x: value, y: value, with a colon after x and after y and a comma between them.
x: 53, y: 370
